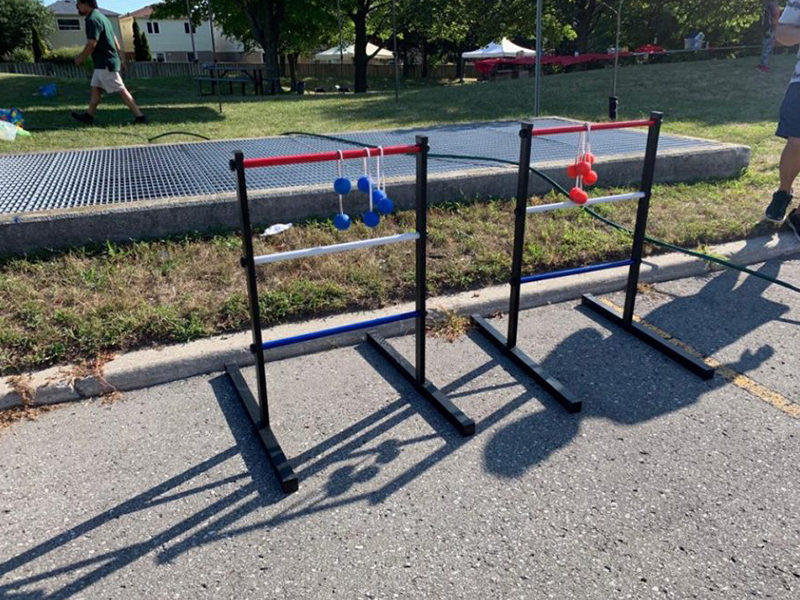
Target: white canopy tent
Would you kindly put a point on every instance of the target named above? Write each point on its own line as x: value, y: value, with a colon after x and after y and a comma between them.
x: 334, y: 55
x: 505, y: 49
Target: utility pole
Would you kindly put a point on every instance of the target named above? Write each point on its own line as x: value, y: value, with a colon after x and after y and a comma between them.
x: 396, y: 71
x: 537, y: 70
x: 613, y: 101
x: 191, y: 30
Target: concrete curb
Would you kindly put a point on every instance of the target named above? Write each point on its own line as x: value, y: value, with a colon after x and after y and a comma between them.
x: 150, y: 367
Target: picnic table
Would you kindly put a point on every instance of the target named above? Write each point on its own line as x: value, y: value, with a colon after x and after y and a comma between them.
x: 244, y: 74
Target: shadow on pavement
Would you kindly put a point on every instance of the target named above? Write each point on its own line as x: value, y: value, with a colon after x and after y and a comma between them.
x: 719, y: 315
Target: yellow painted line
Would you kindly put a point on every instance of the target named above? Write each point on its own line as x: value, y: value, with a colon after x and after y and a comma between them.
x: 741, y: 381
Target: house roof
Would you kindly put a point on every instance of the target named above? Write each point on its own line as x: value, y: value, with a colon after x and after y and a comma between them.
x: 68, y: 7
x: 141, y: 13
x: 146, y: 12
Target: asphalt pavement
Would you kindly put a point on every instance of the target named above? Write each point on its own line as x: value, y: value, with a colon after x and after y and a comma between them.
x: 664, y: 486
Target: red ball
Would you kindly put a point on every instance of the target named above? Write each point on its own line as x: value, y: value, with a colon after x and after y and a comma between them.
x: 578, y: 196
x: 572, y: 171
x: 590, y: 178
x: 589, y: 157
x: 583, y: 168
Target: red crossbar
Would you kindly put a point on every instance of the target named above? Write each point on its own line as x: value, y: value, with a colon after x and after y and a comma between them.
x: 593, y: 126
x: 293, y: 159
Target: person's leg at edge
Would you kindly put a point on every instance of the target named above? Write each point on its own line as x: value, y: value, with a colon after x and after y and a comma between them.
x: 790, y: 164
x: 130, y: 103
x: 788, y: 169
x: 94, y: 101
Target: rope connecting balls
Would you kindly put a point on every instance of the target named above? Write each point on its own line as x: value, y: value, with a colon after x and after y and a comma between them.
x: 581, y: 170
x: 375, y: 189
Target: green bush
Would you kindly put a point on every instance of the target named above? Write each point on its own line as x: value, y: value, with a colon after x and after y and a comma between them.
x: 63, y: 56
x: 20, y: 55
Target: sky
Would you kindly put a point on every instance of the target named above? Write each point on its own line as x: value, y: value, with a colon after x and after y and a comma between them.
x: 118, y: 6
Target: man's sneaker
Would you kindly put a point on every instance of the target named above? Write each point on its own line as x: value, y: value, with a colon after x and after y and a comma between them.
x: 763, y: 68
x: 140, y: 120
x: 83, y: 117
x: 794, y: 223
x: 777, y: 208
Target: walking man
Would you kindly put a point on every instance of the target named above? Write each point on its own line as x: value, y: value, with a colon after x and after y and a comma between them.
x: 788, y: 34
x: 769, y: 20
x: 103, y: 45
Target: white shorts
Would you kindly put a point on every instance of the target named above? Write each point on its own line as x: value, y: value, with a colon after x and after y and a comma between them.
x: 110, y: 81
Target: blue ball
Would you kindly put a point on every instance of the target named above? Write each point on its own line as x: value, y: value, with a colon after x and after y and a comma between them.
x: 378, y: 195
x: 385, y: 205
x: 341, y: 221
x: 371, y: 218
x: 341, y: 185
x: 363, y: 183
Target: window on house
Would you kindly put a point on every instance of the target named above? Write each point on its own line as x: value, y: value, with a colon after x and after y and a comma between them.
x: 152, y: 27
x: 160, y: 57
x: 69, y: 25
x: 190, y: 57
x: 189, y: 28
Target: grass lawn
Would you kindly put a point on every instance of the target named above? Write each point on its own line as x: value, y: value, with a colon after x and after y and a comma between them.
x: 85, y: 303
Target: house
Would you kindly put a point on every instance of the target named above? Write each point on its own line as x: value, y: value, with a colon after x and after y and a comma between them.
x: 170, y: 39
x: 70, y: 29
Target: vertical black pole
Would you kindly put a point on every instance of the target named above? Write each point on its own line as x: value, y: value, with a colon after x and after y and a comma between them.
x: 648, y: 172
x: 520, y: 217
x: 422, y: 241
x: 247, y: 261
x: 613, y: 103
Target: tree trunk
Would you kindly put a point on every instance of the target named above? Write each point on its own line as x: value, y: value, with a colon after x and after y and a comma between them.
x: 585, y: 25
x: 265, y: 24
x: 292, y: 60
x: 424, y: 48
x: 361, y: 59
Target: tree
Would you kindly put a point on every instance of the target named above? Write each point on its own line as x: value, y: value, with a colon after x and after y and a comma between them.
x: 141, y: 48
x: 18, y: 20
x: 369, y: 18
x: 253, y: 22
x: 37, y: 45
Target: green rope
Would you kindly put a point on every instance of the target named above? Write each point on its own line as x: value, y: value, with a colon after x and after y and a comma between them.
x: 609, y: 222
x: 708, y: 257
x: 202, y: 137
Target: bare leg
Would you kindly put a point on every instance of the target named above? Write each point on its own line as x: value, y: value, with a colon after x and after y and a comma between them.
x: 131, y: 103
x: 94, y: 100
x: 790, y: 163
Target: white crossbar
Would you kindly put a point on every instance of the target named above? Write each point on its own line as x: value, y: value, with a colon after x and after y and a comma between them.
x: 599, y: 200
x: 334, y: 248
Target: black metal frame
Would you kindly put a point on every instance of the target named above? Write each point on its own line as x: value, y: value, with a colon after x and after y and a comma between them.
x: 258, y: 408
x: 666, y: 347
x: 508, y: 344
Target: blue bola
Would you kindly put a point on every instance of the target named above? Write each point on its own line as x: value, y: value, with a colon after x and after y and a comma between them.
x: 378, y: 195
x: 342, y: 185
x: 341, y: 221
x: 363, y: 183
x: 385, y: 205
x: 371, y: 218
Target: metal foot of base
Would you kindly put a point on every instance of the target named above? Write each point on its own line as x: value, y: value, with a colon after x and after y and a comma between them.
x: 277, y: 458
x: 694, y: 364
x: 553, y: 387
x: 442, y: 403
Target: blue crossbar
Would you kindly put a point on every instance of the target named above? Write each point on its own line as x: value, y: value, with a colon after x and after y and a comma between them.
x: 576, y: 271
x: 336, y: 330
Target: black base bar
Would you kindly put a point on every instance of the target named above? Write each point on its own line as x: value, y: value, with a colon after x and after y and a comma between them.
x: 442, y: 403
x: 553, y: 387
x: 277, y: 458
x: 694, y: 364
